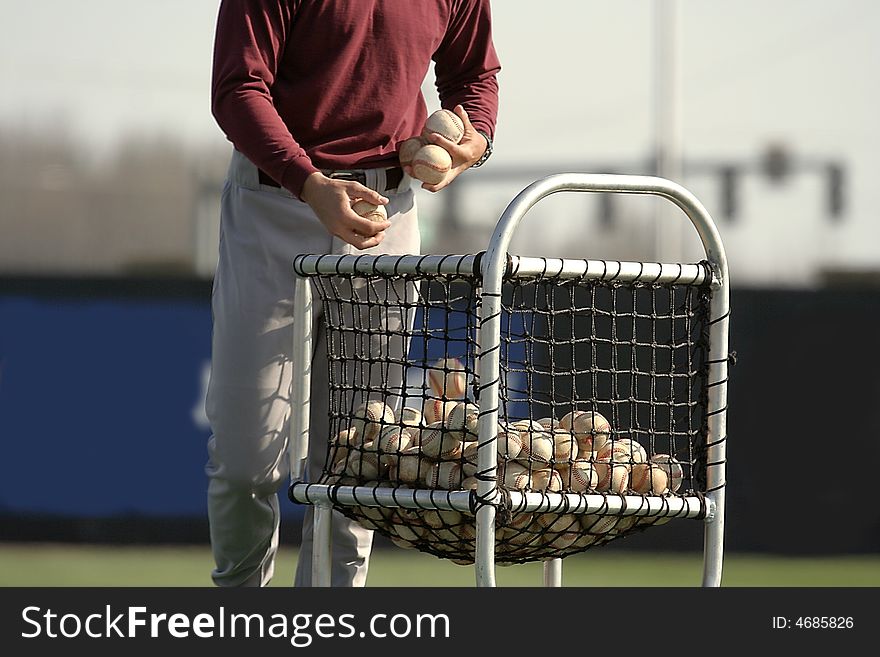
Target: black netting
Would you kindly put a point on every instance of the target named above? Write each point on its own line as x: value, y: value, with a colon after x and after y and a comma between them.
x: 602, y: 390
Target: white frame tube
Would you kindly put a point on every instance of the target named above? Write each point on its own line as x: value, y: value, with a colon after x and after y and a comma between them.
x: 298, y: 440
x: 553, y: 573
x: 494, y: 267
x: 672, y: 506
x: 322, y: 547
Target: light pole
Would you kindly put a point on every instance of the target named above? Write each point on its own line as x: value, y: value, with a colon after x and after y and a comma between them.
x: 667, y: 122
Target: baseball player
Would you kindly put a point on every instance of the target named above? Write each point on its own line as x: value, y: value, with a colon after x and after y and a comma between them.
x: 315, y: 96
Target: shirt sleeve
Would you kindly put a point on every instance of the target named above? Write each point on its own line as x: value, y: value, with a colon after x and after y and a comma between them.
x: 466, y: 65
x: 248, y: 46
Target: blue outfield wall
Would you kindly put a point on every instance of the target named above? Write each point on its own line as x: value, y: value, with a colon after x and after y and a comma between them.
x: 100, y: 405
x: 102, y: 388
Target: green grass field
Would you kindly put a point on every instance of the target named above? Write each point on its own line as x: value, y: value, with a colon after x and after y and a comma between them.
x: 38, y: 565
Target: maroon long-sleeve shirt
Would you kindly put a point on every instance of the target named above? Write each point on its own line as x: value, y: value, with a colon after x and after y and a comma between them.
x: 303, y: 85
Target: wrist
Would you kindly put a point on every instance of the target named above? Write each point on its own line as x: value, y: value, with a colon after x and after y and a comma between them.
x: 486, y: 153
x: 310, y: 186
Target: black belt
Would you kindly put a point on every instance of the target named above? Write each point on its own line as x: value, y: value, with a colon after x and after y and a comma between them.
x: 393, y: 176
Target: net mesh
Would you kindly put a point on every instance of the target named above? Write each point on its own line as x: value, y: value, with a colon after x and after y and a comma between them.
x: 603, y: 389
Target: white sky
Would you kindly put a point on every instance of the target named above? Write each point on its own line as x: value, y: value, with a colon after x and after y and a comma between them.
x: 576, y: 86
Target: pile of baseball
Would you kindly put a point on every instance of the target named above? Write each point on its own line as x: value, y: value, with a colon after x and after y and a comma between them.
x: 435, y: 447
x: 430, y: 162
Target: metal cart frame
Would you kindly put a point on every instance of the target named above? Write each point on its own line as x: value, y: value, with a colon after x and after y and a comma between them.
x: 496, y: 262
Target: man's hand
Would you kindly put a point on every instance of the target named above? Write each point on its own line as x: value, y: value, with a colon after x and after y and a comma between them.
x: 464, y: 153
x: 332, y: 200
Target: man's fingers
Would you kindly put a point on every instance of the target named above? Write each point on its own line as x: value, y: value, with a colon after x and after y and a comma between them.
x: 435, y: 188
x: 357, y: 191
x: 365, y: 227
x: 463, y: 115
x: 440, y: 140
x: 363, y: 241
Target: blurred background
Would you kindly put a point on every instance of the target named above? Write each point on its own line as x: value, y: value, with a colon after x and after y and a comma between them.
x: 111, y: 167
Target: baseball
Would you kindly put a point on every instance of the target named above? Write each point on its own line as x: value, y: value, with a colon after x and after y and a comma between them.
x: 612, y: 477
x: 340, y: 462
x: 523, y: 536
x: 447, y: 379
x: 437, y: 442
x: 598, y: 524
x: 469, y: 483
x: 520, y: 520
x: 373, y: 514
x: 624, y: 523
x: 431, y: 163
x: 564, y: 540
x: 409, y: 467
x: 590, y: 428
x: 410, y: 417
x: 464, y: 417
x: 672, y: 468
x: 391, y: 441
x: 537, y: 447
x: 437, y: 410
x: 547, y: 479
x: 466, y: 531
x: 517, y: 476
x: 446, y: 123
x: 583, y: 476
x: 445, y: 538
x: 567, y: 421
x: 648, y: 478
x: 408, y: 532
x: 409, y: 516
x: 408, y: 148
x: 565, y: 446
x: 564, y: 470
x: 584, y: 541
x: 340, y: 455
x: 370, y: 211
x: 549, y: 423
x: 469, y: 458
x: 654, y: 520
x: 510, y: 444
x: 364, y: 466
x: 437, y: 519
x: 369, y: 419
x: 556, y: 523
x: 339, y: 480
x: 348, y: 437
x: 623, y: 450
x: 446, y: 475
x: 527, y: 426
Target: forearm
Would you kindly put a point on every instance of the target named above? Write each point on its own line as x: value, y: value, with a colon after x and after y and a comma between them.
x: 252, y: 124
x: 249, y: 42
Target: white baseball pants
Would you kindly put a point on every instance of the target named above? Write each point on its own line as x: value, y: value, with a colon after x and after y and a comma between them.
x: 262, y: 229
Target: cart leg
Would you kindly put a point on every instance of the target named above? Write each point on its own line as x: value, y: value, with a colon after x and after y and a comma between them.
x: 321, y: 544
x: 298, y: 445
x: 713, y: 541
x: 485, y: 553
x: 553, y: 573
